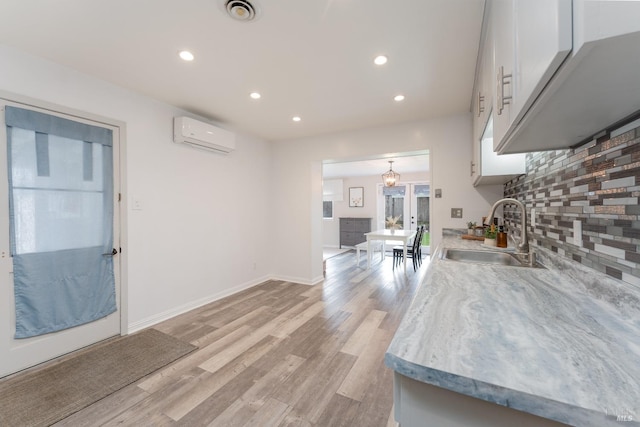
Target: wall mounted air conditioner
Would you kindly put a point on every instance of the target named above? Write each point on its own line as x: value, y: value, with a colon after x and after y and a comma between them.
x: 202, y: 135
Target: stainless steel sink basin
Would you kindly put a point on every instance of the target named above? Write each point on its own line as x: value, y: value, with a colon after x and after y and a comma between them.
x: 483, y: 257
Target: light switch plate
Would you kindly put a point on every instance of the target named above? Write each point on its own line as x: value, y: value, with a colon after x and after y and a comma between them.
x: 136, y: 204
x: 456, y: 212
x: 577, y: 233
x: 533, y: 218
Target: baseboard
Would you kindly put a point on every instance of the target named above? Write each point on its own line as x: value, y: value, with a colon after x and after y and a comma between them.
x: 317, y: 280
x: 299, y: 280
x: 166, y: 315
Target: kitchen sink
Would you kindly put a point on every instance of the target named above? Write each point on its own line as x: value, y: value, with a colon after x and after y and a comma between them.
x: 484, y: 257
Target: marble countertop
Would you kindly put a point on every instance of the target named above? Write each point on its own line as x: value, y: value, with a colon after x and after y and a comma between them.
x: 561, y: 342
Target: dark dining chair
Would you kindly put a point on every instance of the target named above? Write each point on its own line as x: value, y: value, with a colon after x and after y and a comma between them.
x: 414, y: 252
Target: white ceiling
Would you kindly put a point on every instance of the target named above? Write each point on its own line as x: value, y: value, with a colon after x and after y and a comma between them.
x: 401, y: 164
x: 312, y: 58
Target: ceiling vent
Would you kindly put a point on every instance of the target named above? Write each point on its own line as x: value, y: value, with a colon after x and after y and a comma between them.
x: 241, y: 10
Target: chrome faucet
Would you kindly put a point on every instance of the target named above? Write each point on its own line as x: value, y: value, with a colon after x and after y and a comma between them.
x: 522, y: 247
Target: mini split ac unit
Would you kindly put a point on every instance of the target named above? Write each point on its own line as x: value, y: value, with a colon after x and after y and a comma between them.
x: 202, y: 135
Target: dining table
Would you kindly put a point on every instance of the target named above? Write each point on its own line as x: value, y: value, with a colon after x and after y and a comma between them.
x: 386, y: 235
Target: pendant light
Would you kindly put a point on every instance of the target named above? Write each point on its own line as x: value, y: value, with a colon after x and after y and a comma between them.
x: 390, y: 178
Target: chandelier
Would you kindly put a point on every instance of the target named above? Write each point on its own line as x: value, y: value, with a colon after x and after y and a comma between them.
x: 390, y: 178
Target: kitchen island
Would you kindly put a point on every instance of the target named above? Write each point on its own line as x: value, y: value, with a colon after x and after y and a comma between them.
x: 490, y: 345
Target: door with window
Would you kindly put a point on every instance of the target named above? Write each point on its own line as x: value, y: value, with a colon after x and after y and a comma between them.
x: 59, y: 272
x: 405, y: 207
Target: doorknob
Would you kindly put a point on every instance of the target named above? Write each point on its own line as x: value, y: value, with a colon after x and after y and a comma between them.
x: 113, y: 252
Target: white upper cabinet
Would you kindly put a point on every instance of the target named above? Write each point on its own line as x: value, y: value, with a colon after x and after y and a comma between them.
x: 531, y: 39
x: 502, y: 21
x: 542, y: 42
x: 487, y: 166
x: 482, y: 93
x: 570, y: 70
x: 493, y: 168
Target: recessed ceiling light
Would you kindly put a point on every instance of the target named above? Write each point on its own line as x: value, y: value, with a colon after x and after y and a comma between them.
x: 186, y: 55
x: 296, y: 118
x: 255, y: 95
x: 398, y: 98
x: 380, y: 60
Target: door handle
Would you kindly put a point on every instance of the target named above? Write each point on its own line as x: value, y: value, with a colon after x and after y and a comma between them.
x: 113, y: 253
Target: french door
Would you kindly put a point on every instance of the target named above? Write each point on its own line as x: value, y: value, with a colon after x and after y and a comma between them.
x: 406, y: 207
x: 58, y: 213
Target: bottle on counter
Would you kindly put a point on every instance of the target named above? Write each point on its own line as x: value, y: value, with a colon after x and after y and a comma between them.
x: 501, y: 238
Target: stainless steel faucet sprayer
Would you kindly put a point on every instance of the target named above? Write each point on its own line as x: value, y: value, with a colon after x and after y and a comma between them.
x: 522, y: 248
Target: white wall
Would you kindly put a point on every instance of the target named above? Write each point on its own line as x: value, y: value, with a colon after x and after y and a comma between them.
x: 204, y: 220
x: 331, y: 227
x: 298, y: 204
x: 207, y: 219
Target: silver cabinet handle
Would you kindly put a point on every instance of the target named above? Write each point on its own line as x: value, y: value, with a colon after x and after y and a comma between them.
x: 472, y: 165
x: 503, y: 80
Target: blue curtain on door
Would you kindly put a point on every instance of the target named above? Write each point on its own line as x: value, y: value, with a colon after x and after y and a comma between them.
x: 422, y: 190
x: 61, y: 217
x: 395, y: 191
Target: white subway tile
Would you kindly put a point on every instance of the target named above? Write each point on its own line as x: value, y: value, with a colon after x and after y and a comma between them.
x: 631, y: 279
x: 628, y: 181
x: 620, y: 201
x: 608, y: 250
x: 579, y: 189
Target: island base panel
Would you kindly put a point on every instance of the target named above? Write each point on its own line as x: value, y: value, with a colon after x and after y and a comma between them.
x: 417, y: 404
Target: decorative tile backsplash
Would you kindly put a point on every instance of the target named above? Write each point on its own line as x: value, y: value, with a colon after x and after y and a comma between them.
x: 598, y: 185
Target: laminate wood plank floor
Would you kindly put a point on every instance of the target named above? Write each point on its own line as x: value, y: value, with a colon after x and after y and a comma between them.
x: 278, y: 354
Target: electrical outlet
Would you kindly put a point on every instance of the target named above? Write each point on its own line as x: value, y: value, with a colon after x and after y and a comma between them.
x: 456, y: 212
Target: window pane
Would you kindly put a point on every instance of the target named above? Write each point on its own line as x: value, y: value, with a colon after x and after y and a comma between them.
x: 64, y: 208
x: 394, y: 212
x: 47, y: 220
x: 327, y: 209
x: 423, y: 211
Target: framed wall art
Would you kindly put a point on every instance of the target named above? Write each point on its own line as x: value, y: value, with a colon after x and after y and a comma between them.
x: 356, y: 197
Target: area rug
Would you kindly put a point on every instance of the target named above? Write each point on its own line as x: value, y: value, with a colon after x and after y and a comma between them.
x: 45, y: 396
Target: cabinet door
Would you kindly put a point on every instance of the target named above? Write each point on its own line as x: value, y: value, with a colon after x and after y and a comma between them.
x: 363, y: 225
x: 532, y: 39
x: 543, y: 41
x: 483, y: 91
x: 477, y: 132
x: 487, y: 80
x: 503, y: 34
x: 475, y: 159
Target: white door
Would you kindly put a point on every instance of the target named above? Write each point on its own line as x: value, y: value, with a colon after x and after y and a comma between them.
x: 17, y: 354
x: 419, y: 207
x: 405, y: 207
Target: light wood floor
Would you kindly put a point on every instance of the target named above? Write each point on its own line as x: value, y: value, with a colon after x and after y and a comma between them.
x: 278, y: 354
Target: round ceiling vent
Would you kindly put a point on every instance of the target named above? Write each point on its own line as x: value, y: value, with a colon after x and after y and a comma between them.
x: 241, y: 10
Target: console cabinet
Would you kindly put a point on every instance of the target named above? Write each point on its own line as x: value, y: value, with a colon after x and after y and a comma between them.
x: 352, y: 230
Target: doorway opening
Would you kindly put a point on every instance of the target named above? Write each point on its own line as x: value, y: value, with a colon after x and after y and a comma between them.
x: 341, y: 176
